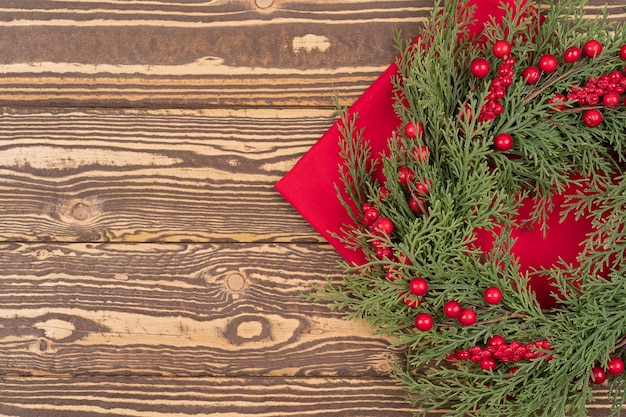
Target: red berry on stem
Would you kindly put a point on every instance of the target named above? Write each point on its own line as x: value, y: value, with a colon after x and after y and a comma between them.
x: 418, y: 286
x: 501, y: 48
x: 413, y: 130
x: 496, y: 340
x: 547, y: 63
x: 503, y: 142
x: 467, y: 317
x: 572, y: 54
x: 598, y: 375
x: 416, y: 204
x: 412, y: 302
x: 488, y: 364
x: 370, y: 215
x: 531, y: 75
x: 424, y: 322
x: 421, y: 153
x: 492, y: 295
x: 622, y: 52
x: 592, y: 48
x: 405, y: 175
x: 423, y: 187
x: 452, y: 309
x: 480, y: 67
x: 592, y: 118
x: 611, y: 99
x: 615, y: 366
x: 556, y: 102
x: 384, y: 225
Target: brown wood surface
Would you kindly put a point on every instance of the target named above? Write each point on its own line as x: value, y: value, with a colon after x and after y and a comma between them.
x: 147, y: 266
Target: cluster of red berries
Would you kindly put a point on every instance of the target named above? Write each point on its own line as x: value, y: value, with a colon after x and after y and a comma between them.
x: 614, y: 367
x: 605, y: 90
x: 418, y: 190
x: 498, y: 351
x: 480, y: 67
x: 453, y: 309
x: 380, y: 226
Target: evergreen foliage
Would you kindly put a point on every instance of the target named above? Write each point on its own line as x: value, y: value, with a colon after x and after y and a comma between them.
x: 458, y: 183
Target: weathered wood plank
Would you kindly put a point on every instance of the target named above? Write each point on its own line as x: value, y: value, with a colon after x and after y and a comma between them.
x: 139, y: 396
x: 162, y: 175
x: 234, y: 397
x: 198, y: 54
x: 182, y: 53
x: 176, y: 309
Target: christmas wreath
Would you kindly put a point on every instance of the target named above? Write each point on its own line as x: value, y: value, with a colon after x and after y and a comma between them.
x: 519, y: 128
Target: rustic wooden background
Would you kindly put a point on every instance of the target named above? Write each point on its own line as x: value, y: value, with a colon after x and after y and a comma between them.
x: 147, y: 266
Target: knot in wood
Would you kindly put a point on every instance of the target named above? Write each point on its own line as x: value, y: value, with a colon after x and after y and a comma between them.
x: 81, y: 211
x: 43, y: 346
x: 235, y: 282
x: 264, y: 4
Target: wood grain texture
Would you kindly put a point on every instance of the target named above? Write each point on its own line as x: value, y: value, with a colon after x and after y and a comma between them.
x: 147, y: 176
x: 142, y: 396
x: 177, y: 309
x: 199, y: 54
x: 189, y: 54
x: 180, y: 397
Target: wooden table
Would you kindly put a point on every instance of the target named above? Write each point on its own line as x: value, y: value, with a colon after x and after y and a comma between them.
x: 147, y: 266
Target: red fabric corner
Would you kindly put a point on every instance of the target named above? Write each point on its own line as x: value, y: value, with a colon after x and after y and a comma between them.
x: 310, y: 186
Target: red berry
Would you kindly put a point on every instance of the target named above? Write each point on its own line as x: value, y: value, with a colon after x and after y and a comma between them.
x: 488, y: 364
x: 412, y: 303
x: 384, y: 225
x: 615, y: 366
x: 416, y: 204
x: 413, y: 130
x: 547, y: 63
x: 421, y: 153
x: 424, y: 322
x: 496, y: 340
x: 423, y: 187
x: 467, y: 317
x: 592, y: 48
x: 403, y: 259
x: 501, y: 48
x: 611, y: 99
x: 622, y: 52
x: 503, y: 142
x: 531, y: 75
x: 598, y: 375
x: 556, y: 102
x: 370, y: 215
x: 405, y: 175
x: 465, y: 113
x: 592, y: 118
x: 492, y: 295
x: 572, y: 54
x: 418, y: 286
x: 452, y: 309
x: 392, y: 274
x: 480, y: 67
x: 383, y: 252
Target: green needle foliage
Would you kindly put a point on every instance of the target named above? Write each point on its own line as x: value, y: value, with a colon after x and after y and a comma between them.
x: 463, y: 184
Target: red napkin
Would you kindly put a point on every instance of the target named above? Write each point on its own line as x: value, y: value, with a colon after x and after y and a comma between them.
x: 310, y: 186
